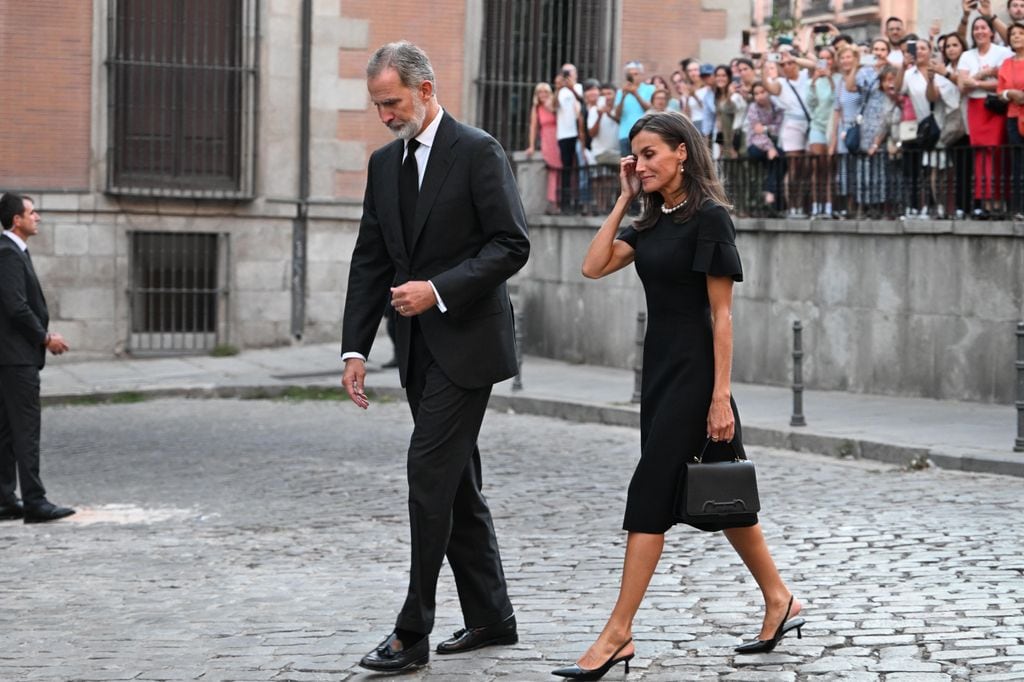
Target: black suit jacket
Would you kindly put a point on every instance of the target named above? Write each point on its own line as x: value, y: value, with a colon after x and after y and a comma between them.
x: 470, y: 237
x: 23, y: 313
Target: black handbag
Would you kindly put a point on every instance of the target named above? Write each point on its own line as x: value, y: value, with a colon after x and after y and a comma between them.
x: 996, y: 104
x: 852, y: 138
x: 716, y: 492
x: 928, y: 133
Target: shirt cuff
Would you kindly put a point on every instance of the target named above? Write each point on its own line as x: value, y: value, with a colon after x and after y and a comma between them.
x: 440, y: 303
x: 350, y: 355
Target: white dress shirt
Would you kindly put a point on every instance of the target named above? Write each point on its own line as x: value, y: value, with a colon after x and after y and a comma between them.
x: 17, y: 240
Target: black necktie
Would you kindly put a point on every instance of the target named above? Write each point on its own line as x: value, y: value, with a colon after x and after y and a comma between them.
x: 409, y: 191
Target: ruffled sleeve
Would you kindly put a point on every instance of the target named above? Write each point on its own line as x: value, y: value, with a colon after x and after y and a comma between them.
x: 628, y: 234
x: 716, y: 253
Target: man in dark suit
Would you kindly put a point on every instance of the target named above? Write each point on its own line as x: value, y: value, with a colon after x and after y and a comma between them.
x: 23, y: 345
x: 442, y: 230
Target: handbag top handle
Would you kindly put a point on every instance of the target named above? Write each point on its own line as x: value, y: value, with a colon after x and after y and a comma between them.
x: 699, y: 459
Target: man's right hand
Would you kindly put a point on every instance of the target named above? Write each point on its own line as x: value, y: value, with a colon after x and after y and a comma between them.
x: 56, y: 344
x: 353, y: 381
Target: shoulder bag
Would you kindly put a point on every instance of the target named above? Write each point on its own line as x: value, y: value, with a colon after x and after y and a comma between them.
x: 852, y: 137
x: 716, y: 492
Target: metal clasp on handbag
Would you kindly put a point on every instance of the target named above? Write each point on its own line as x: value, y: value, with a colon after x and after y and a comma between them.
x: 699, y: 459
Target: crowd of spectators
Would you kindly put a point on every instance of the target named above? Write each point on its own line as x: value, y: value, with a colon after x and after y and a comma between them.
x: 919, y: 126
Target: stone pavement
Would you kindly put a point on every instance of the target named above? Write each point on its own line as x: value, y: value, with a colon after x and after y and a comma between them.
x: 907, y: 431
x: 267, y: 540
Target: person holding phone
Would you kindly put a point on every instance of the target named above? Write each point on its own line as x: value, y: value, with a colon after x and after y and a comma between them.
x: 821, y: 100
x: 631, y: 101
x: 848, y: 101
x: 684, y: 249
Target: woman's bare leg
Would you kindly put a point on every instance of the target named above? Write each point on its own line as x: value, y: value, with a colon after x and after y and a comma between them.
x: 750, y: 544
x: 643, y: 550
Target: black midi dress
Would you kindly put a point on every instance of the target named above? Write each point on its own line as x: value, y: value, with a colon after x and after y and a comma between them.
x: 673, y: 261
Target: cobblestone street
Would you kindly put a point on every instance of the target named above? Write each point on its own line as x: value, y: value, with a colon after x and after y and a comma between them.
x: 267, y: 540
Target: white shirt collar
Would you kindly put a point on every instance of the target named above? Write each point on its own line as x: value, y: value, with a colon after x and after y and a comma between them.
x: 426, y: 138
x: 17, y: 240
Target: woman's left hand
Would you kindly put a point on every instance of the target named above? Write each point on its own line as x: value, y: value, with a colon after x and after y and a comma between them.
x: 721, y: 422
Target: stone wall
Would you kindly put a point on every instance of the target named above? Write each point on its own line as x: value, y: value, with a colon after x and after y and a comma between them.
x: 81, y: 256
x: 923, y: 308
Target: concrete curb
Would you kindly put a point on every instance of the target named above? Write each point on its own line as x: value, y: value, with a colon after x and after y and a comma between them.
x: 911, y: 457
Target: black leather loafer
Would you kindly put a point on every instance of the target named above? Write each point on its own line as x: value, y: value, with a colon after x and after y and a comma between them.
x: 45, y: 512
x: 11, y: 511
x: 469, y: 639
x: 391, y: 656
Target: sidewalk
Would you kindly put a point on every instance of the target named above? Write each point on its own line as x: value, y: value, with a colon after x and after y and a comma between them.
x: 909, y: 431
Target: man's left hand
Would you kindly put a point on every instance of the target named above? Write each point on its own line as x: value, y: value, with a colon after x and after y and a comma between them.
x: 413, y: 298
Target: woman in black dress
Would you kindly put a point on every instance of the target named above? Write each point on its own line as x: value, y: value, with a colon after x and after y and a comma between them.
x: 684, y: 249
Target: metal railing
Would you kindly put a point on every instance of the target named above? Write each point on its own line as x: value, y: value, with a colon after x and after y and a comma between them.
x: 177, y: 292
x: 525, y: 42
x: 182, y: 80
x: 961, y: 183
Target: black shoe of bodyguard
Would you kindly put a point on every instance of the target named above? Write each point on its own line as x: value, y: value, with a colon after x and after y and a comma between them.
x: 46, y: 512
x: 469, y: 639
x: 392, y: 656
x: 11, y: 511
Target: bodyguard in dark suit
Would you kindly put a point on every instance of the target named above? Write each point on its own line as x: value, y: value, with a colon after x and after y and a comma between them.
x: 441, y: 232
x: 23, y: 345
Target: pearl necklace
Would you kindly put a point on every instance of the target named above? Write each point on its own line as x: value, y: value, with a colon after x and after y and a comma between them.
x: 666, y: 210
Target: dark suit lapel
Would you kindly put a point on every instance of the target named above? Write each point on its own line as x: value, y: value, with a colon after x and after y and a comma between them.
x: 441, y: 155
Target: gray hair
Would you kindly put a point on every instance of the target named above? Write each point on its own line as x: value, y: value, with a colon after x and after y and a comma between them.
x: 411, y: 63
x: 633, y: 65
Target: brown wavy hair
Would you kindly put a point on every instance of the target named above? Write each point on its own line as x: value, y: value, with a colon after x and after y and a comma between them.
x: 700, y: 181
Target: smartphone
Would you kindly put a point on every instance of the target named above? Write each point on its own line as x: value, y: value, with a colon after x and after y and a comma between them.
x: 566, y: 73
x: 821, y: 28
x: 912, y: 49
x: 822, y: 64
x: 867, y: 60
x: 774, y: 57
x: 629, y: 78
x: 755, y: 55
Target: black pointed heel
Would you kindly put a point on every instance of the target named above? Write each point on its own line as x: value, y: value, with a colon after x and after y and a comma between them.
x: 763, y: 646
x: 575, y: 672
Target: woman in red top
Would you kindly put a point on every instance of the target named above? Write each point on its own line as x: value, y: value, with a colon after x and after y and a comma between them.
x: 1010, y: 87
x: 542, y: 126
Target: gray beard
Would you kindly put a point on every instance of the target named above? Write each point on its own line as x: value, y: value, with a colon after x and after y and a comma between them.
x: 408, y: 130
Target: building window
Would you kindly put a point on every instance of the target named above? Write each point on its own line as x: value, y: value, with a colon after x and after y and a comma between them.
x: 177, y: 292
x: 526, y: 42
x: 182, y: 93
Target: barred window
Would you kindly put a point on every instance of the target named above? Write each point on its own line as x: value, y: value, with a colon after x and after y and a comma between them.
x: 182, y: 93
x: 526, y: 42
x: 178, y: 290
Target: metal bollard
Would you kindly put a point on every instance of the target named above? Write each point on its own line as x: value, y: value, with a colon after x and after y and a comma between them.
x: 798, y: 377
x: 517, y: 322
x: 1018, y: 444
x: 638, y: 362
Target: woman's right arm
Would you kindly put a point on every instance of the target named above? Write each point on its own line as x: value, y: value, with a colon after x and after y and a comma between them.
x: 606, y: 253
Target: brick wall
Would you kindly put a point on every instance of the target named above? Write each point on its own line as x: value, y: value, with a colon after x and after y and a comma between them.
x: 660, y: 33
x: 46, y: 53
x: 440, y: 32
